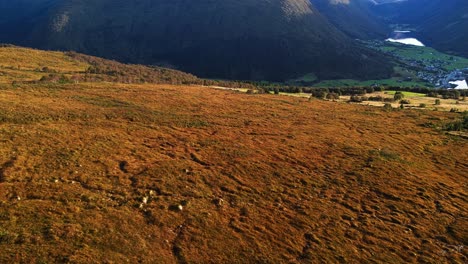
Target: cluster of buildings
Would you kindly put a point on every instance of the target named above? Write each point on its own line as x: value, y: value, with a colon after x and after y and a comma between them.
x: 433, y: 71
x: 456, y: 75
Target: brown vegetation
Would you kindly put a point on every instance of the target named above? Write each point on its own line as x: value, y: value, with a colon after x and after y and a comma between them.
x: 106, y: 70
x: 127, y: 173
x: 30, y: 65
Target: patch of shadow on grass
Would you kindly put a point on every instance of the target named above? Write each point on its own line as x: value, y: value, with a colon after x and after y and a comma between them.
x: 4, y: 167
x: 102, y: 101
x: 385, y: 154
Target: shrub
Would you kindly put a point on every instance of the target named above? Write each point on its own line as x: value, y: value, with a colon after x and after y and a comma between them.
x: 437, y: 102
x: 398, y: 96
x: 321, y: 94
x: 55, y: 78
x: 458, y: 125
x: 405, y: 102
x: 333, y: 96
x: 388, y: 106
x: 422, y: 105
x: 370, y: 90
x: 355, y: 99
x: 376, y: 98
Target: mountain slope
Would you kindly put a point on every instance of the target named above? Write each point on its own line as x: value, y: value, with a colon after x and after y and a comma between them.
x: 25, y: 65
x: 447, y: 26
x: 30, y: 65
x: 353, y: 17
x: 19, y: 16
x: 440, y: 23
x: 266, y: 39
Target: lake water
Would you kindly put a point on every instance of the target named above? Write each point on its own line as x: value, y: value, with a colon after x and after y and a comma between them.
x: 461, y: 84
x: 404, y: 37
x: 407, y: 41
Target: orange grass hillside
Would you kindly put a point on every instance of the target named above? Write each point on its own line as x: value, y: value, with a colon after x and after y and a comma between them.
x: 25, y: 65
x: 126, y: 173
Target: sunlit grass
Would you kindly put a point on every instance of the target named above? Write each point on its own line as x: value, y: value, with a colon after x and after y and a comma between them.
x: 407, y: 94
x: 383, y: 82
x: 31, y: 59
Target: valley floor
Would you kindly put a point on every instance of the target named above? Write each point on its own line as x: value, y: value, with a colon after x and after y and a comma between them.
x: 113, y: 173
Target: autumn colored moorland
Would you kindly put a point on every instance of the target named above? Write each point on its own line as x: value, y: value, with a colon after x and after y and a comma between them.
x: 100, y: 172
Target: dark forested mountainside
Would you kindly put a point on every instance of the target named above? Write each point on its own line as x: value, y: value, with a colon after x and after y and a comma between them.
x: 353, y: 17
x: 270, y: 40
x: 246, y: 39
x: 19, y: 16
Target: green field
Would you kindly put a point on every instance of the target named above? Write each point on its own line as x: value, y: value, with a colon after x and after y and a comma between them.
x: 428, y: 54
x: 308, y: 78
x: 407, y: 94
x: 384, y: 82
x: 422, y: 55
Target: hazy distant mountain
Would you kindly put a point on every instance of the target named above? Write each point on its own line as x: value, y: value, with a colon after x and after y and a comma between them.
x: 240, y: 39
x: 381, y: 2
x: 445, y: 26
x: 442, y: 24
